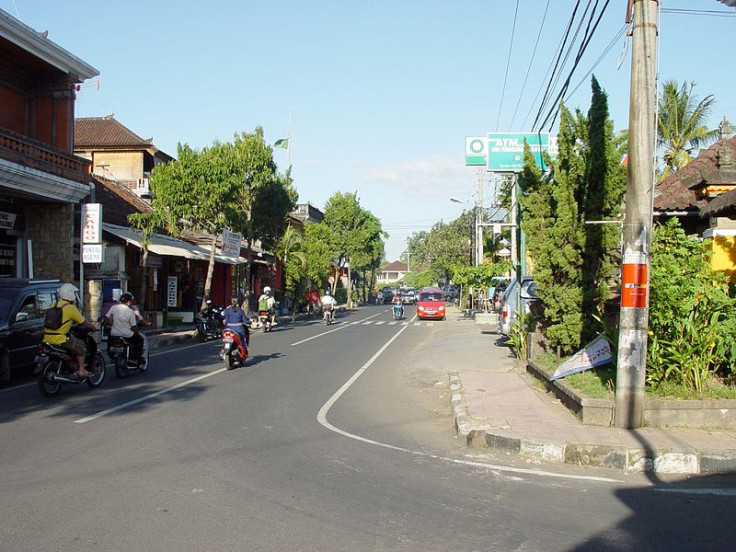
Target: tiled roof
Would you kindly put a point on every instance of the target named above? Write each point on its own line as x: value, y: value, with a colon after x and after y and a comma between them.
x: 117, y: 201
x: 105, y: 132
x: 679, y: 191
x: 396, y: 266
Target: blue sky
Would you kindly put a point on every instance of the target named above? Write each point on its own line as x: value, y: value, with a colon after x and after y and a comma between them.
x: 381, y: 94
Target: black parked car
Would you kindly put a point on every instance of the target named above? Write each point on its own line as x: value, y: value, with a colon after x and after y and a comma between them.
x: 23, y: 304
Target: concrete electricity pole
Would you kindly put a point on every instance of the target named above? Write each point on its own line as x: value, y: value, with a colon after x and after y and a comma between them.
x: 479, y: 219
x: 637, y: 227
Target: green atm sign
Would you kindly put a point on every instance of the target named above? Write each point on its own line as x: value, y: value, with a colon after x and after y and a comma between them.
x: 506, y: 150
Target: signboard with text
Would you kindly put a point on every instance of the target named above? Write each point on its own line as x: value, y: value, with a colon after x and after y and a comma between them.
x: 92, y: 223
x: 506, y: 149
x: 231, y: 243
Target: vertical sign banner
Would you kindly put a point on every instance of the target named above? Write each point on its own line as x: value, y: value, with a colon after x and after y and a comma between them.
x: 172, y: 292
x: 476, y: 151
x: 92, y: 223
x: 634, y: 280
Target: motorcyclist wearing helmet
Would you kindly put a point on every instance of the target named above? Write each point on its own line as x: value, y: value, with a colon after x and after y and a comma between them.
x: 270, y: 302
x: 237, y: 321
x: 68, y: 299
x: 125, y: 324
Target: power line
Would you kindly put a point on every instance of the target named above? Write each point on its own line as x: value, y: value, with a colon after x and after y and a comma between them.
x: 508, y: 63
x: 583, y: 46
x: 531, y: 62
x: 559, y: 56
x: 611, y: 44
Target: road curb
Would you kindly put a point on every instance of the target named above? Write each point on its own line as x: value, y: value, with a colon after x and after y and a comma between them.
x: 478, y: 435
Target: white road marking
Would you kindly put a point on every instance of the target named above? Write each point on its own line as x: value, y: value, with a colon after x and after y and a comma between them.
x: 367, y: 322
x: 147, y: 397
x: 322, y: 419
x: 379, y: 322
x: 392, y: 323
x: 341, y: 327
x: 109, y: 365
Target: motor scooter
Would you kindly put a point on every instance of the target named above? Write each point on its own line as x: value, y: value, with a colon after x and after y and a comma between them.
x: 209, y: 321
x: 118, y: 349
x: 398, y: 310
x: 329, y: 315
x: 56, y: 366
x: 264, y: 319
x: 234, y: 350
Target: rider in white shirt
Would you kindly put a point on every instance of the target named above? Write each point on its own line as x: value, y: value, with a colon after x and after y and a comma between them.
x: 329, y: 303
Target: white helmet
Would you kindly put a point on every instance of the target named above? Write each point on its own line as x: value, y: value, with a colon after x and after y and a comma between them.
x: 267, y: 289
x: 68, y: 292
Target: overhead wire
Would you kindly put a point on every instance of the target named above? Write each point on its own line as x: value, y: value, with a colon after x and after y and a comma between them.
x: 556, y: 64
x: 508, y: 63
x: 531, y: 63
x: 583, y: 47
x: 608, y: 48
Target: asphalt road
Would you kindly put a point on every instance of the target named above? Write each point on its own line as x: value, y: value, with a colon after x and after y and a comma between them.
x: 331, y: 438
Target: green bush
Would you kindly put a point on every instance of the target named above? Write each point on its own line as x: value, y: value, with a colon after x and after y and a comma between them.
x: 692, y: 318
x: 341, y: 295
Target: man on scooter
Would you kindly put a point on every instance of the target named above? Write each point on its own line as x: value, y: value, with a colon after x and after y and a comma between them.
x: 237, y: 321
x: 398, y: 305
x: 329, y: 304
x: 267, y: 300
x: 125, y: 324
x: 68, y: 300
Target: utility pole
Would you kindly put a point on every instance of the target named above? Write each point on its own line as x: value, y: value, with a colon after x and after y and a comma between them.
x: 479, y: 219
x: 637, y: 226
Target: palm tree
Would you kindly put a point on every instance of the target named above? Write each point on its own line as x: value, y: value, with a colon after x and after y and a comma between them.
x: 289, y: 250
x: 681, y: 128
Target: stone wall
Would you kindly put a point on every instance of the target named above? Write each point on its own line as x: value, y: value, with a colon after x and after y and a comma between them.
x: 50, y: 226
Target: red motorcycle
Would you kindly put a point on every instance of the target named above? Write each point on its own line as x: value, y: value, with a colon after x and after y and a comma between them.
x: 234, y: 350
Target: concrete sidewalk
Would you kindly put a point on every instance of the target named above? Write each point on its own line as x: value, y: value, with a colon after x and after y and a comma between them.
x: 497, y: 405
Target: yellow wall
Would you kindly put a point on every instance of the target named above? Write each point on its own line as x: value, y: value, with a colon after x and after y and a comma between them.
x: 724, y: 255
x: 119, y: 165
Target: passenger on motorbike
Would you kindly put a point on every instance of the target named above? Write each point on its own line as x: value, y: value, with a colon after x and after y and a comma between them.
x: 68, y: 300
x: 237, y: 321
x: 266, y: 299
x: 124, y: 324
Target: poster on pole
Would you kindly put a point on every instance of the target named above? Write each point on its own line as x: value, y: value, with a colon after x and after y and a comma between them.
x: 506, y: 149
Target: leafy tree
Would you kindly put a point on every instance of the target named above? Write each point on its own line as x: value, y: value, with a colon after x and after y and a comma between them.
x: 197, y: 192
x: 265, y: 197
x: 443, y: 247
x: 356, y: 233
x: 319, y: 248
x: 681, y: 128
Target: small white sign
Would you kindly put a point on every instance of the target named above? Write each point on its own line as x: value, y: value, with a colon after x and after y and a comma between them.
x: 92, y: 223
x: 231, y: 243
x: 476, y: 151
x: 7, y: 220
x: 172, y: 291
x: 93, y: 253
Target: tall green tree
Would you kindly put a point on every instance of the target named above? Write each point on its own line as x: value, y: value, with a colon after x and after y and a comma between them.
x: 682, y: 124
x: 290, y: 251
x: 555, y: 236
x: 601, y: 197
x: 356, y: 232
x: 264, y: 196
x: 196, y: 192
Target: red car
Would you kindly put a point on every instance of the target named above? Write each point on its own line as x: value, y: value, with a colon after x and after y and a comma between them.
x: 431, y: 304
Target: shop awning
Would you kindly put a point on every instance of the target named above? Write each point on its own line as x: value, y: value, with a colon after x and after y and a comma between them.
x: 168, y: 246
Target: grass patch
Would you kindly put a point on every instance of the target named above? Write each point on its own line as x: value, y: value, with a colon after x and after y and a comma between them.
x: 599, y: 383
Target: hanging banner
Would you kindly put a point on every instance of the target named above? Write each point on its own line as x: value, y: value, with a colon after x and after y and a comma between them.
x: 172, y: 291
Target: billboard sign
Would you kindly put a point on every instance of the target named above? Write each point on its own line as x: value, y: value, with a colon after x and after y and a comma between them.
x: 506, y: 149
